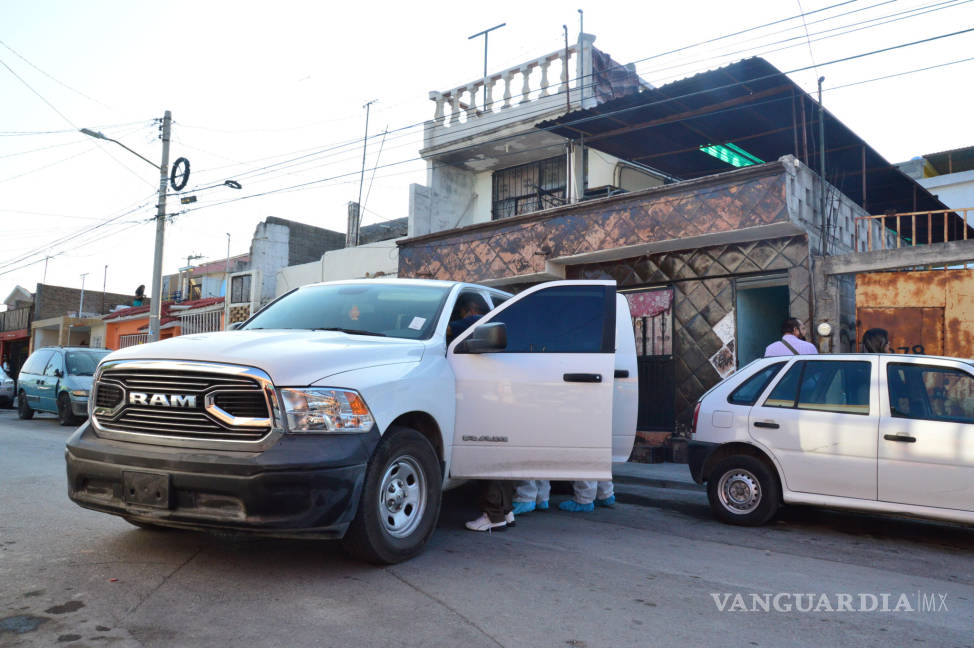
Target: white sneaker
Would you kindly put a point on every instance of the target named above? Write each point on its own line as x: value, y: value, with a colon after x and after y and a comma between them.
x: 509, y: 519
x: 483, y: 523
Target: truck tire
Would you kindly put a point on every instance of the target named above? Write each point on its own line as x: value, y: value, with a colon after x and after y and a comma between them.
x: 743, y: 490
x: 400, y: 501
x: 23, y: 409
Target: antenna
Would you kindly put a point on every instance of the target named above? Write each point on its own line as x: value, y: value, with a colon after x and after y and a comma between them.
x: 484, y: 34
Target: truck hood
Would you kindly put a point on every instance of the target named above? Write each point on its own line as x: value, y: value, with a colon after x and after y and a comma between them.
x: 290, y: 357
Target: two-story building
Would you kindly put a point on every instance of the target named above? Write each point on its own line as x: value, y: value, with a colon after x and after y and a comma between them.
x: 702, y: 198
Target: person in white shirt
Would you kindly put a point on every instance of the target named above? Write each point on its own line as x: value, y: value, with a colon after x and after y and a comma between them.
x: 792, y: 341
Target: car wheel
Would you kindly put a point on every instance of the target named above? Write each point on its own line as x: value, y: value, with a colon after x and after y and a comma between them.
x: 7, y: 404
x: 400, y: 501
x: 23, y: 409
x: 743, y: 490
x: 64, y: 414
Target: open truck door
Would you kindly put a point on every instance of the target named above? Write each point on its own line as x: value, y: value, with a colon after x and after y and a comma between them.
x: 534, y: 386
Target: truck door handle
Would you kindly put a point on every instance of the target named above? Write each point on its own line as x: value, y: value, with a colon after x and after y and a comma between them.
x: 767, y: 424
x: 583, y: 377
x: 621, y: 373
x: 903, y: 438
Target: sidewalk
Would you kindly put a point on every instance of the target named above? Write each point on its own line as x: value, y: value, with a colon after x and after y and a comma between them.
x: 658, y: 475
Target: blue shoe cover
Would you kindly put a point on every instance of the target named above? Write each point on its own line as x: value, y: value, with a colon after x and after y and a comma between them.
x: 520, y: 508
x: 608, y: 502
x: 574, y: 507
x: 542, y: 505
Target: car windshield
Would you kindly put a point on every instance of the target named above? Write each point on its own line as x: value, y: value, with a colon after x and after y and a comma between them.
x: 83, y: 363
x: 380, y: 309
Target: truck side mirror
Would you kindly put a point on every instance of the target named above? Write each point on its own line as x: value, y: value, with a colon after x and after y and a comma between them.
x: 234, y: 326
x: 485, y: 338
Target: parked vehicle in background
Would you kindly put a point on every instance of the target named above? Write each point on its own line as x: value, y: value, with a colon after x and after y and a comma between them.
x: 6, y: 389
x: 58, y: 380
x: 875, y: 432
x: 342, y: 410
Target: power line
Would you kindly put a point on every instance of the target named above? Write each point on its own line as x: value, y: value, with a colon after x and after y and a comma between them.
x: 21, y: 57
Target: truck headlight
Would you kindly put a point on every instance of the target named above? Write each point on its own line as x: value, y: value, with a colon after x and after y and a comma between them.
x: 313, y: 409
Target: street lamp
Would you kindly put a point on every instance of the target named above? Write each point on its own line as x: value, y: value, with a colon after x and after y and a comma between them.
x: 155, y: 306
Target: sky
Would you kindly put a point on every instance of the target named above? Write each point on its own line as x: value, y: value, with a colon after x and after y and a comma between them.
x: 272, y: 95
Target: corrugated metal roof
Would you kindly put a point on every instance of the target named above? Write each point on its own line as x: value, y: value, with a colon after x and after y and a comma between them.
x: 753, y: 105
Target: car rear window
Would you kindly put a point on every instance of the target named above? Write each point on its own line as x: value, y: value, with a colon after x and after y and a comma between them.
x: 747, y: 393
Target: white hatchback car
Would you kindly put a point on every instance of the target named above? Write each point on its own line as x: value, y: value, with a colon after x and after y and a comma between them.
x: 886, y: 433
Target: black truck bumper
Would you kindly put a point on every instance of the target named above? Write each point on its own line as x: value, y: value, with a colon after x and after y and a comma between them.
x: 303, y: 486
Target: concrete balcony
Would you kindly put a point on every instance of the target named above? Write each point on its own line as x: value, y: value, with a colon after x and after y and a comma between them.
x: 473, y: 124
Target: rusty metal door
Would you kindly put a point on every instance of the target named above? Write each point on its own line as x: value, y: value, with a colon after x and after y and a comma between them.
x: 911, y: 330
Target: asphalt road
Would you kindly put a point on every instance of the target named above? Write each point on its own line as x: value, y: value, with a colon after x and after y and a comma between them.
x: 654, y: 571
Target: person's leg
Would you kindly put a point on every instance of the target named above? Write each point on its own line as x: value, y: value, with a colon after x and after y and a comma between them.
x: 582, y: 501
x: 525, y: 494
x: 605, y: 495
x: 544, y: 494
x: 495, y: 502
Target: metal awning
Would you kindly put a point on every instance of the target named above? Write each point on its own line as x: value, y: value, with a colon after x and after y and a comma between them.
x: 752, y: 107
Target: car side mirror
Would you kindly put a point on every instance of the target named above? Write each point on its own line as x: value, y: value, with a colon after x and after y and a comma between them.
x: 58, y: 373
x: 485, y: 338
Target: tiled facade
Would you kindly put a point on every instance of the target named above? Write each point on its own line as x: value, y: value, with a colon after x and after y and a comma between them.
x: 521, y: 245
x: 703, y: 284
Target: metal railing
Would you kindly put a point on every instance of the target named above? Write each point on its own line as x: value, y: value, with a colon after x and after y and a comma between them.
x: 200, y: 322
x: 15, y: 319
x: 132, y: 340
x: 879, y: 235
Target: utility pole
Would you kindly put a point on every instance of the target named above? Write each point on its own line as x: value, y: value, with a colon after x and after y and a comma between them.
x: 361, y: 179
x: 104, y: 283
x: 155, y: 310
x: 81, y: 302
x: 821, y: 167
x: 484, y: 34
x: 44, y: 280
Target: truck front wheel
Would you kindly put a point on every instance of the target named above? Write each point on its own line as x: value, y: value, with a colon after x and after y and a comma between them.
x: 400, y: 501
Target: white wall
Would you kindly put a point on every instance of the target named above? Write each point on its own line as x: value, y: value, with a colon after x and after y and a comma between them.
x: 269, y: 253
x: 372, y: 259
x: 954, y: 190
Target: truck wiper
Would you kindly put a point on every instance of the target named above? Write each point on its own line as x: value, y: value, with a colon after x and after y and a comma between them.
x: 350, y: 331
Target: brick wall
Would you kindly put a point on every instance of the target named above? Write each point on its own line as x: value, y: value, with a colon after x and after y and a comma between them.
x: 307, y: 242
x: 55, y: 301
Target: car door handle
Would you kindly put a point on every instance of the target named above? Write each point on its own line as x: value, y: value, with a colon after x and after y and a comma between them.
x: 583, y: 377
x: 621, y: 373
x: 902, y: 438
x: 767, y: 424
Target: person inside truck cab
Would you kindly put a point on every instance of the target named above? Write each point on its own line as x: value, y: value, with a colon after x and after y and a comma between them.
x: 470, y: 307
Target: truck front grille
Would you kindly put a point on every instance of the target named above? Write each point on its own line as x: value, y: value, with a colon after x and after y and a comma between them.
x: 149, y: 398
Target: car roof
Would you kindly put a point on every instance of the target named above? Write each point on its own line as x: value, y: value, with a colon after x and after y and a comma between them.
x: 861, y: 355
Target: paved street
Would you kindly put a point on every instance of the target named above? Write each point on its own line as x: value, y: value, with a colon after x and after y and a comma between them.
x: 642, y: 574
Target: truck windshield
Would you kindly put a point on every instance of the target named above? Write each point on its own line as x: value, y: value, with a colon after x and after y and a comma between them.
x: 403, y: 311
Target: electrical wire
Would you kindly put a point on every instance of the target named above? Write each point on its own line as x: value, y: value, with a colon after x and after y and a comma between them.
x: 61, y: 83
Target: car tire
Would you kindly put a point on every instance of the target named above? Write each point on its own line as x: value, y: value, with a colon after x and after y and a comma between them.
x: 8, y: 404
x: 743, y: 490
x: 65, y: 416
x: 24, y: 410
x: 400, y: 502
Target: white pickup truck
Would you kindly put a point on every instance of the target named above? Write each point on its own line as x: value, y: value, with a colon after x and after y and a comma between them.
x: 341, y: 410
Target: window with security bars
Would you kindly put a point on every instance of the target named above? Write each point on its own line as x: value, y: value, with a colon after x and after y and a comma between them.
x: 528, y: 188
x: 240, y: 289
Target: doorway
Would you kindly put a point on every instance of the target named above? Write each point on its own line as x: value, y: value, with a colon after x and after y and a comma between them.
x: 762, y: 306
x: 652, y: 318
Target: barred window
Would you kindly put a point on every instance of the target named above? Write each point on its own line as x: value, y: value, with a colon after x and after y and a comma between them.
x: 528, y: 188
x: 240, y: 289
